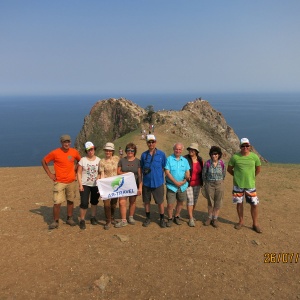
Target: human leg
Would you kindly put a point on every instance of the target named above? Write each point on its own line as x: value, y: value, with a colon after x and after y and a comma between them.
x: 94, y: 202
x: 132, y: 205
x: 122, y: 207
x: 107, y: 211
x: 84, y: 202
x: 240, y: 212
x: 113, y: 205
x: 254, y: 214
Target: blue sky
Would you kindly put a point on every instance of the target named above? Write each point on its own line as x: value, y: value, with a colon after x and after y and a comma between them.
x: 154, y: 46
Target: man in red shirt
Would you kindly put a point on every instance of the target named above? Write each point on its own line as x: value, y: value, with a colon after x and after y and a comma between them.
x: 65, y: 160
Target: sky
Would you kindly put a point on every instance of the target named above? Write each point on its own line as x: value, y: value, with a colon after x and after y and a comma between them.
x: 149, y: 46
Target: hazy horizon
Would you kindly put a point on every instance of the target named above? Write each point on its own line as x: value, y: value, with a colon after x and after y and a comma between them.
x: 172, y: 46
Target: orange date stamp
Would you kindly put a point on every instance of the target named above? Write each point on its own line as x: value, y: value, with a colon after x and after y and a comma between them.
x: 287, y: 257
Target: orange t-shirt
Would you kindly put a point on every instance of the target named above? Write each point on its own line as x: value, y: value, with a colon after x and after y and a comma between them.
x: 63, y: 164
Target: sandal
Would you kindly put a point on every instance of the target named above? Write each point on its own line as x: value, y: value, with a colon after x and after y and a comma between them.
x: 238, y: 226
x: 257, y: 229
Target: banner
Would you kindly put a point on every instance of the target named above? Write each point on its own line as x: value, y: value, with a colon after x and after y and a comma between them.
x: 117, y: 186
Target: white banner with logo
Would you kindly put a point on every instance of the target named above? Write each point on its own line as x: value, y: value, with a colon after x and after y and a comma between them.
x: 117, y: 186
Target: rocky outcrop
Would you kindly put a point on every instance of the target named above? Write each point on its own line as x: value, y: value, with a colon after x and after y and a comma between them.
x: 108, y: 120
x: 197, y: 121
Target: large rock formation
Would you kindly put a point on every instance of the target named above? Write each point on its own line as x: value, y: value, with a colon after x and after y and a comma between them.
x: 108, y: 120
x: 197, y: 121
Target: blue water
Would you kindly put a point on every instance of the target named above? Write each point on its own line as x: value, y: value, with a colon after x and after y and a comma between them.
x: 31, y: 125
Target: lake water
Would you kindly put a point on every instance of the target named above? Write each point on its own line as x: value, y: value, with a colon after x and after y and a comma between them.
x: 31, y: 125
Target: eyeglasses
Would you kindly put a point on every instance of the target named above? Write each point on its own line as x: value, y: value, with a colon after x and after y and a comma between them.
x: 151, y: 142
x: 66, y: 142
x: 245, y: 146
x: 214, y: 154
x: 130, y: 150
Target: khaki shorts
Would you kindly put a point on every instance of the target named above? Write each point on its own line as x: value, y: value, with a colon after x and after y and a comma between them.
x: 173, y: 196
x: 63, y: 192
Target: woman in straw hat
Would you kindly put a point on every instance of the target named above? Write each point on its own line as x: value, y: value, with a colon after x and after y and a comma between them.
x: 108, y: 168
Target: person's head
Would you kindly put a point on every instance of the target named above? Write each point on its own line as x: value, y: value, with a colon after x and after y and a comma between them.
x: 130, y: 148
x: 215, y: 151
x: 109, y: 149
x: 178, y: 148
x: 193, y: 149
x: 65, y: 141
x: 151, y: 141
x: 89, y: 148
x: 245, y: 146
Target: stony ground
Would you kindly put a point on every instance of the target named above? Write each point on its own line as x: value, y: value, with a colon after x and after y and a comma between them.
x: 149, y: 263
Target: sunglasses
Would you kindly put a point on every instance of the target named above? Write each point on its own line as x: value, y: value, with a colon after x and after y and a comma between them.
x: 130, y: 150
x: 151, y: 142
x: 245, y: 146
x: 214, y: 154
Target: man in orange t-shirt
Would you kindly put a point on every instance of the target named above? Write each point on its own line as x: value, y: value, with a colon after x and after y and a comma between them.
x: 65, y: 160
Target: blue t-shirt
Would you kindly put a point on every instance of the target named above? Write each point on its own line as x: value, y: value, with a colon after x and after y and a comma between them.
x: 177, y: 169
x: 155, y: 178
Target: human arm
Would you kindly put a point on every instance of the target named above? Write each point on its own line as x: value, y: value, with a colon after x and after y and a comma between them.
x: 79, y: 178
x: 139, y: 192
x: 257, y: 170
x: 230, y: 170
x: 172, y: 179
x: 47, y: 170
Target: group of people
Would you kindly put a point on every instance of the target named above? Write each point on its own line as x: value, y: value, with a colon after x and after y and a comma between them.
x: 184, y: 178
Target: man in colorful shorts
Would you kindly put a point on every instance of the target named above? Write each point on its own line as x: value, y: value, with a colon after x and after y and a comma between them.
x: 64, y: 176
x: 244, y: 166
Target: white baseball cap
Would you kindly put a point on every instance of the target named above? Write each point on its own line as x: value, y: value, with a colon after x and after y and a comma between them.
x: 244, y: 141
x: 88, y: 145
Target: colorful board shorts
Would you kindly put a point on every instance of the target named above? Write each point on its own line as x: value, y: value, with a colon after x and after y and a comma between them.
x: 239, y: 193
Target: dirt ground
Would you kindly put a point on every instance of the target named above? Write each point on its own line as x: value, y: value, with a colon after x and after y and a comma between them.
x: 149, y: 263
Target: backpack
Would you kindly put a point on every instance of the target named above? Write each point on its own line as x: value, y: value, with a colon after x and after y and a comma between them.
x: 221, y: 162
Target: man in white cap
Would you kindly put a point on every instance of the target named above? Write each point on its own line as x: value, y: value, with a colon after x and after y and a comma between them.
x: 244, y: 166
x: 153, y: 162
x: 64, y: 158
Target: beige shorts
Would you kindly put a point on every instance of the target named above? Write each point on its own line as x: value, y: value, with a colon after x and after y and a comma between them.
x: 63, y: 192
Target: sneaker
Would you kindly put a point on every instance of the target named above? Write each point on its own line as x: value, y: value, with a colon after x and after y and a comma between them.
x: 169, y: 223
x: 70, y: 222
x: 131, y: 221
x: 107, y: 226
x: 82, y: 224
x: 215, y: 223
x: 191, y: 223
x: 121, y: 224
x: 177, y: 221
x: 94, y: 221
x: 207, y: 222
x: 146, y: 222
x: 162, y: 223
x: 53, y: 225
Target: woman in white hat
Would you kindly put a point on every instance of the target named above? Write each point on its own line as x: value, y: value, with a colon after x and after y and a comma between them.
x: 87, y: 174
x: 108, y: 168
x: 195, y: 180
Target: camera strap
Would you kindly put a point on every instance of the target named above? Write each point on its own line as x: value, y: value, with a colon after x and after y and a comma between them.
x: 152, y: 156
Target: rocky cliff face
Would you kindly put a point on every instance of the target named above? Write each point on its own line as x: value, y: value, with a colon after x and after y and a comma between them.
x: 197, y: 121
x: 108, y: 120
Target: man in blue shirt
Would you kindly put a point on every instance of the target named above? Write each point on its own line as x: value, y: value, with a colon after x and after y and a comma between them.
x: 177, y: 172
x: 153, y: 162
